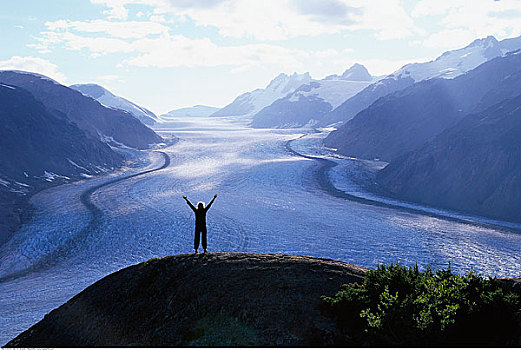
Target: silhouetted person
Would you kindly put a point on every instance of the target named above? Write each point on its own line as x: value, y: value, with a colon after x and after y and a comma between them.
x: 200, y: 221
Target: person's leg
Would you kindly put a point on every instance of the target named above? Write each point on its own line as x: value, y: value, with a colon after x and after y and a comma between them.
x: 203, y: 231
x: 196, y: 238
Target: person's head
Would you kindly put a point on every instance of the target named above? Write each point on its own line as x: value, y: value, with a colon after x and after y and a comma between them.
x: 200, y: 205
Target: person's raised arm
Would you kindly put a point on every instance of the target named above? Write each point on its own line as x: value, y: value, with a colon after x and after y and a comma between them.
x: 211, y: 202
x: 188, y: 202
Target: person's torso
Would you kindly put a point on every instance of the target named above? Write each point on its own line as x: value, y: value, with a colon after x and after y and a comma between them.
x: 200, y: 217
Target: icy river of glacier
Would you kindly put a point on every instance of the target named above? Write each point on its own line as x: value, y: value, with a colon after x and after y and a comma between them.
x: 269, y: 201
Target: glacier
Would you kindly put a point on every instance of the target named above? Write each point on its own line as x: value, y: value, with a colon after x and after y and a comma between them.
x: 269, y: 201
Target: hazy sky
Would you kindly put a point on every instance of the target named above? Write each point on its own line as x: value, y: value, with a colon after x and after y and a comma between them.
x: 165, y: 54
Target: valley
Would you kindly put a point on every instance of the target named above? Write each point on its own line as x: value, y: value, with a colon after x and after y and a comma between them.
x: 269, y: 202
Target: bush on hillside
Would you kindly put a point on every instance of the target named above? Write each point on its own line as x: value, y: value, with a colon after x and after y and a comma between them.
x: 398, y: 305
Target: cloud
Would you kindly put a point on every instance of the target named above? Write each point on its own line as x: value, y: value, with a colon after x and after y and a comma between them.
x: 177, y: 51
x: 282, y: 19
x: 117, y: 8
x: 463, y: 20
x: 35, y: 65
x: 167, y: 51
x: 327, y: 10
x: 97, y: 46
x: 125, y: 29
x: 387, y: 19
x: 194, y: 4
x: 451, y: 38
x: 110, y: 78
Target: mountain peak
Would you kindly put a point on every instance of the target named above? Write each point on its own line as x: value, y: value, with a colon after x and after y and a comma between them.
x: 356, y: 72
x: 284, y: 79
x: 92, y: 90
x: 108, y: 99
x: 484, y: 42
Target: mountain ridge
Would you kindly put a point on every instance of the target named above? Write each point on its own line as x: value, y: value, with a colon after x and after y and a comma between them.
x: 309, y: 102
x: 448, y: 65
x: 40, y: 148
x: 402, y: 121
x: 249, y: 103
x: 193, y: 111
x: 108, y: 99
x: 111, y: 125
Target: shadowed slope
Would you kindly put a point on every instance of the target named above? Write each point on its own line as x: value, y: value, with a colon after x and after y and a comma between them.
x: 257, y: 299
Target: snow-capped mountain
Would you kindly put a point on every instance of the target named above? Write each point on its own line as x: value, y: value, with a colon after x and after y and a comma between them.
x: 448, y: 66
x: 311, y: 101
x: 252, y: 102
x: 194, y: 111
x: 454, y: 63
x: 108, y: 99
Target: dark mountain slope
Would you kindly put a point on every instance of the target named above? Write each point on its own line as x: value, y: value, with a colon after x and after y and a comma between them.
x: 233, y: 299
x: 473, y: 167
x: 403, y: 121
x: 37, y: 145
x: 87, y: 113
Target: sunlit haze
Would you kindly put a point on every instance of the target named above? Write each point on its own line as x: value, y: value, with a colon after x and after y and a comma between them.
x: 166, y: 54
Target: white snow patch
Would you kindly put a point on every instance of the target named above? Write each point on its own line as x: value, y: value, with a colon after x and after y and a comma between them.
x: 111, y: 101
x: 50, y: 176
x: 7, y: 86
x: 76, y: 165
x: 334, y: 92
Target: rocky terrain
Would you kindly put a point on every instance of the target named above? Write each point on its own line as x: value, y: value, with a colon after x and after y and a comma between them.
x: 213, y: 299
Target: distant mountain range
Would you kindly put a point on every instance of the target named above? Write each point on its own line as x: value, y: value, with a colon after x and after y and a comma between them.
x: 108, y: 99
x: 39, y: 143
x: 311, y: 101
x: 252, y: 102
x: 194, y: 111
x: 403, y: 121
x: 111, y: 125
x: 452, y: 143
x: 338, y: 98
x: 52, y: 134
x: 449, y: 65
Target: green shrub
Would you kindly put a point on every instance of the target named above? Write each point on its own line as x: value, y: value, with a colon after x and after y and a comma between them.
x: 396, y: 305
